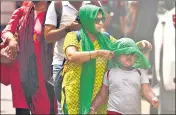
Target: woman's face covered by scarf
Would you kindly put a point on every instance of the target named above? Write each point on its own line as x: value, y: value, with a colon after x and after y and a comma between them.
x: 91, y: 18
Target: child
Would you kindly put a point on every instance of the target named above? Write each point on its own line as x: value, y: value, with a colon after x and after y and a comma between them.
x: 124, y: 83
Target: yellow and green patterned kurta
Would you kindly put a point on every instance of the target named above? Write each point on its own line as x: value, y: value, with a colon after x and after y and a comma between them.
x: 71, y: 82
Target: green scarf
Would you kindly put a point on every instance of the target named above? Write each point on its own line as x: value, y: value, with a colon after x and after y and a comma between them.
x: 88, y: 14
x: 128, y: 46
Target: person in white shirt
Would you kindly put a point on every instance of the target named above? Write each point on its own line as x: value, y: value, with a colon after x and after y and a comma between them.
x: 125, y: 81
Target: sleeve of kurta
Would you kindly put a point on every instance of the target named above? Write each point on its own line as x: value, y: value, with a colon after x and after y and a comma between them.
x: 11, y: 27
x: 70, y: 40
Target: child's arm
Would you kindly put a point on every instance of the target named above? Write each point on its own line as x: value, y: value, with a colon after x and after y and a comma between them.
x: 147, y: 92
x: 149, y: 95
x: 100, y: 99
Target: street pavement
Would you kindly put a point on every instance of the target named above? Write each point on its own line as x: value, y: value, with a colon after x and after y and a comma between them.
x: 6, y: 100
x: 7, y: 108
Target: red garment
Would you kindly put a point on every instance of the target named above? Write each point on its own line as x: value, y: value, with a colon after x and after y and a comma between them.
x: 27, y: 3
x: 5, y: 77
x: 42, y: 104
x: 174, y: 19
x: 11, y: 74
x: 113, y: 113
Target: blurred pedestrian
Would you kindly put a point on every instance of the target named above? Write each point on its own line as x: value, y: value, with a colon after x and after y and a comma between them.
x: 115, y: 21
x: 31, y: 70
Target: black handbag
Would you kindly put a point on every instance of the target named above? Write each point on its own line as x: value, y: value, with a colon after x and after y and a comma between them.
x: 58, y: 82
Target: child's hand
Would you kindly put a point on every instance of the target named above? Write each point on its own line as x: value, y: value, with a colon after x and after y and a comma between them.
x: 91, y: 112
x: 155, y: 102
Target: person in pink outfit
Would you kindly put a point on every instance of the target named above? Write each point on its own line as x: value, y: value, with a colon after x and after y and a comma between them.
x: 30, y: 71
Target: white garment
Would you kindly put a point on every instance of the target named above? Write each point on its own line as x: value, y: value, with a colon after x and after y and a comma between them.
x: 69, y: 14
x: 125, y: 90
x: 167, y: 37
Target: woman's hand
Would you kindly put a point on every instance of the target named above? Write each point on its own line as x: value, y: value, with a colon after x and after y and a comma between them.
x: 144, y: 44
x: 5, y: 58
x: 12, y: 48
x: 106, y: 54
x: 91, y: 112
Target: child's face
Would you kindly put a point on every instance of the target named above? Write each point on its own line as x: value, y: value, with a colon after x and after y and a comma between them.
x: 127, y: 60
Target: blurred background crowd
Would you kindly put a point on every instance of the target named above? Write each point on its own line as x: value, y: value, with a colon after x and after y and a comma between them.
x: 151, y: 20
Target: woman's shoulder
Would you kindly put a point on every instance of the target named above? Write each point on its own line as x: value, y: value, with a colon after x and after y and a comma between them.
x: 71, y: 35
x: 22, y: 10
x: 109, y: 36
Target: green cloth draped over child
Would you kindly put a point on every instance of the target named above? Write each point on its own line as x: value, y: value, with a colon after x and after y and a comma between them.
x: 128, y: 46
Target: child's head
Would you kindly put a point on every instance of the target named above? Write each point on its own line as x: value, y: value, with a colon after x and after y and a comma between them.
x: 127, y: 54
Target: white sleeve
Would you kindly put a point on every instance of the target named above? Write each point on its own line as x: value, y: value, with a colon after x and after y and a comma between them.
x: 144, y: 76
x: 51, y: 16
x: 89, y: 2
x: 105, y: 80
x: 86, y: 2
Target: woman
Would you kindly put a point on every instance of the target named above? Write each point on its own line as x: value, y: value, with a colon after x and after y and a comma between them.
x: 32, y: 68
x: 86, y: 61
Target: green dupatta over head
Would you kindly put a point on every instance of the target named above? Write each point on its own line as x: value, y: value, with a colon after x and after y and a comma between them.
x: 128, y: 46
x: 88, y: 14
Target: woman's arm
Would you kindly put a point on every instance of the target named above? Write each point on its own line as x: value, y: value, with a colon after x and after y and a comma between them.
x: 100, y: 99
x: 9, y: 31
x: 71, y: 49
x: 76, y: 56
x: 8, y: 34
x: 144, y: 46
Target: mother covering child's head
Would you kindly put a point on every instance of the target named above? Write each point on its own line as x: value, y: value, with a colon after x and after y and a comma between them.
x: 127, y: 47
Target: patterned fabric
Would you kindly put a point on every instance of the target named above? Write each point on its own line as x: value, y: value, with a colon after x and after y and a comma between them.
x: 71, y: 82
